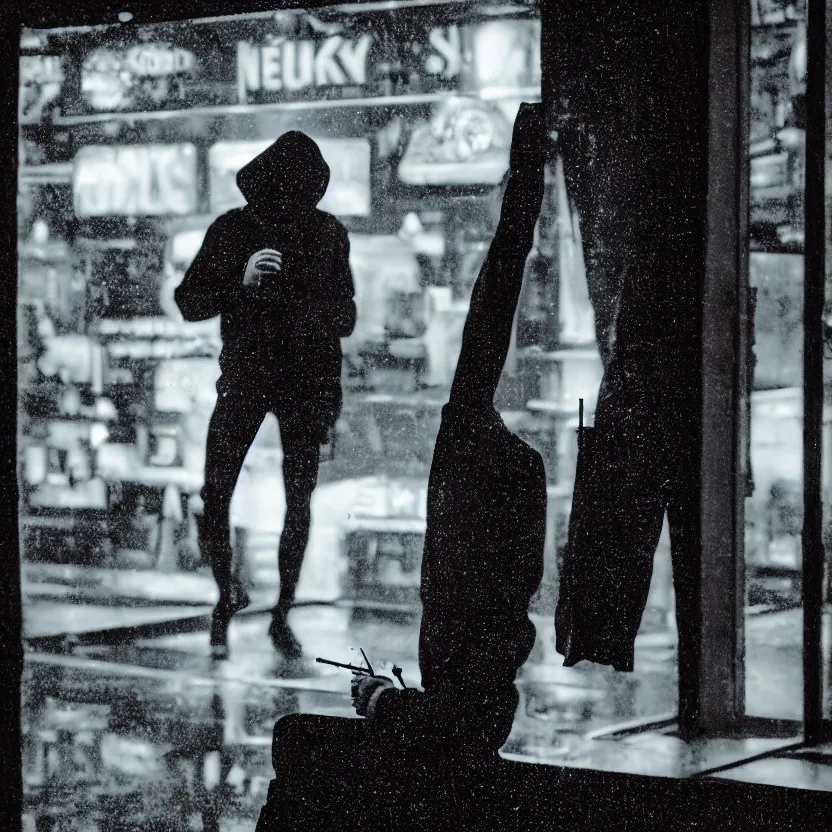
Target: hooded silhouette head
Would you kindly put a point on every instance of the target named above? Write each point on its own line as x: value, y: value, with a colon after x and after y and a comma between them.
x: 290, y: 174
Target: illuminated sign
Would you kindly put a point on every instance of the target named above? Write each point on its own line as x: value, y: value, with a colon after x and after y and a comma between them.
x: 298, y: 65
x: 41, y: 69
x: 158, y: 60
x: 296, y: 60
x: 466, y: 142
x: 281, y: 68
x: 146, y: 75
x: 133, y: 180
x: 504, y: 54
x: 446, y: 58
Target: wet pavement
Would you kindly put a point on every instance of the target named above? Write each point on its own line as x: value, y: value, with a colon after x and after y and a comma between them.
x: 153, y: 734
x: 130, y: 724
x: 156, y: 729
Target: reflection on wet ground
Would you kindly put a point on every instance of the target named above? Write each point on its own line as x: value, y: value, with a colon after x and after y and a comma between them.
x: 153, y: 734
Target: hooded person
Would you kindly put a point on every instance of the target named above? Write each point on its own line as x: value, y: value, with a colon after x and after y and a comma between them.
x: 277, y: 273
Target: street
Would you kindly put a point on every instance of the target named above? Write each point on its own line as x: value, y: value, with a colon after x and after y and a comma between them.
x: 130, y: 717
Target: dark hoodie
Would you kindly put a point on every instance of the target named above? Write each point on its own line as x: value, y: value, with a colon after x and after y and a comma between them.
x: 283, y: 336
x: 486, y: 521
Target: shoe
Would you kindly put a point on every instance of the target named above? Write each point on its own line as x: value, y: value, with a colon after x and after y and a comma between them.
x: 221, y: 618
x: 283, y: 638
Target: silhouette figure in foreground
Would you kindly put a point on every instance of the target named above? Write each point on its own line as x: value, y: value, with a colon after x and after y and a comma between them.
x: 483, y: 553
x: 277, y: 273
x: 482, y: 562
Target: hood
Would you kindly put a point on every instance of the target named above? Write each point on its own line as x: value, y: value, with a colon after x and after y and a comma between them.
x: 290, y: 172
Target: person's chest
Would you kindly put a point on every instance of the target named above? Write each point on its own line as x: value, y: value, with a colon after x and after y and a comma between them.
x: 248, y: 239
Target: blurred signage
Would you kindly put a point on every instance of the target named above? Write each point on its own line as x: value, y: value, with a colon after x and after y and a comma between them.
x: 466, y: 142
x: 41, y: 81
x: 135, y: 180
x: 299, y: 58
x: 158, y: 60
x: 348, y: 193
x: 144, y: 76
x: 154, y: 338
x: 349, y: 67
x: 392, y: 498
x: 444, y: 58
x: 150, y: 328
x: 503, y: 55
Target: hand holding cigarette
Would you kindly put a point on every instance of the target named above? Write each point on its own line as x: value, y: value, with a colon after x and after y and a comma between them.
x: 365, y: 683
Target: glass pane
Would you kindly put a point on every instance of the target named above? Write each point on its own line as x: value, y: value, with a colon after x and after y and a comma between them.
x: 130, y: 142
x: 773, y: 508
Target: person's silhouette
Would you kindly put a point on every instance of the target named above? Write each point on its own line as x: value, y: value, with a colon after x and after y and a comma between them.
x: 483, y: 553
x: 277, y: 273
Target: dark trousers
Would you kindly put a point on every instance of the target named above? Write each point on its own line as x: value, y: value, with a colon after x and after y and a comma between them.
x: 634, y: 147
x: 234, y: 424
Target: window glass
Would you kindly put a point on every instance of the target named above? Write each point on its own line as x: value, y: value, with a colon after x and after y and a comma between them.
x: 130, y: 141
x: 774, y: 502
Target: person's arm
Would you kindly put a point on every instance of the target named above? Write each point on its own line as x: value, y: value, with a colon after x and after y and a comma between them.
x: 209, y: 286
x: 487, y: 334
x: 342, y: 311
x: 477, y: 696
x: 331, y: 303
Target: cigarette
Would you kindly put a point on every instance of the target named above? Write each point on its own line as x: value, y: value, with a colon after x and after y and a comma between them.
x: 346, y: 666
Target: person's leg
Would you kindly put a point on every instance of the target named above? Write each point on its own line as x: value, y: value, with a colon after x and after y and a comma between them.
x: 615, y: 524
x: 301, y: 457
x: 684, y: 519
x: 233, y: 426
x: 606, y: 237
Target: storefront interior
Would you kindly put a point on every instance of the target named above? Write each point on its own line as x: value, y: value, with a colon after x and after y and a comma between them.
x: 130, y: 133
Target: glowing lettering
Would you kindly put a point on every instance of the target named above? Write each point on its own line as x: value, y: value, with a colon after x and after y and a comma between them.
x: 248, y: 69
x: 270, y: 68
x: 354, y: 58
x: 449, y: 45
x: 327, y: 71
x: 158, y: 60
x: 298, y: 65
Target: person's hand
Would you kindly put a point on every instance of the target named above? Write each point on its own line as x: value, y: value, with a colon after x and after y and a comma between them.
x: 263, y: 264
x: 363, y: 687
x: 528, y: 140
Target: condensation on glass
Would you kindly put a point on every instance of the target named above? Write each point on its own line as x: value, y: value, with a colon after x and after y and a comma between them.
x: 130, y: 140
